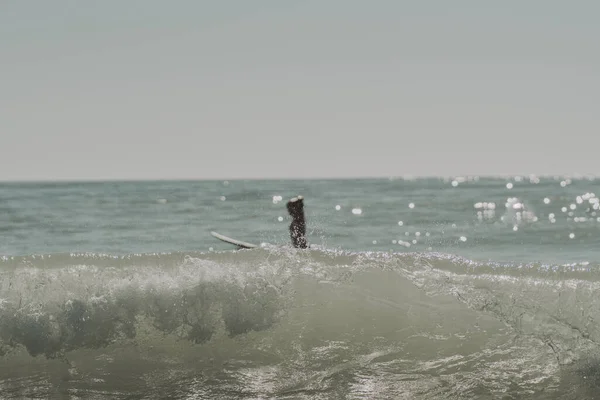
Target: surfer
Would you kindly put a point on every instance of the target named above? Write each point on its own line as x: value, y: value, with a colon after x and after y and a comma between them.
x: 295, y: 208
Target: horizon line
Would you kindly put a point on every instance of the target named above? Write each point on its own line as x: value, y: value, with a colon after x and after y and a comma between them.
x: 300, y: 178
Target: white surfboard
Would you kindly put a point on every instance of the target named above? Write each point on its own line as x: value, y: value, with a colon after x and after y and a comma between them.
x: 239, y: 243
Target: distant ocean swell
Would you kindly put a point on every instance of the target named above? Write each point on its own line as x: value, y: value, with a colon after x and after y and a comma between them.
x: 309, y: 323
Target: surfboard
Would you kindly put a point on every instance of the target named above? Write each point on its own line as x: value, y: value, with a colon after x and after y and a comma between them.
x: 239, y: 243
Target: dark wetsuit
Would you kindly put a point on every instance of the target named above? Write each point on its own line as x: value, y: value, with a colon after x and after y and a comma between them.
x: 295, y: 208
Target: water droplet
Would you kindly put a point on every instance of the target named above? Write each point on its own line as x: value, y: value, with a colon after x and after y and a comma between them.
x: 400, y: 223
x: 411, y: 205
x: 571, y: 236
x: 280, y: 219
x: 509, y: 185
x: 338, y: 207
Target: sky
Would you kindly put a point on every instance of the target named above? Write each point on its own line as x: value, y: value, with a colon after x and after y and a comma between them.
x: 194, y: 89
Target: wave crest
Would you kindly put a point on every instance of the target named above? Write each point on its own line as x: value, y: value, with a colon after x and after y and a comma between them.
x: 52, y: 311
x: 51, y: 305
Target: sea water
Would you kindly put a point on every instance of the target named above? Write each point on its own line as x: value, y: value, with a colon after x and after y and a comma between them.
x: 437, y: 288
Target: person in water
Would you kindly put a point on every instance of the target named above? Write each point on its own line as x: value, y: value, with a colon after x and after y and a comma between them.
x: 295, y: 208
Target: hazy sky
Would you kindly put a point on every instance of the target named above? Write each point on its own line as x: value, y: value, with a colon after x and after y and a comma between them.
x: 194, y: 89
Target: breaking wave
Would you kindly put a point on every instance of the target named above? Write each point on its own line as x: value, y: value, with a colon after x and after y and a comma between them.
x: 297, y: 324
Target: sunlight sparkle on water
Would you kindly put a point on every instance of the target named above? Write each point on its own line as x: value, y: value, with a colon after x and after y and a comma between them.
x: 356, y: 211
x: 565, y: 182
x: 338, y: 207
x: 457, y: 180
x: 534, y: 179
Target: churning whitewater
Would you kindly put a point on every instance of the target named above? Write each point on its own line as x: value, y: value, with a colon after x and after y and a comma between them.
x: 282, y: 323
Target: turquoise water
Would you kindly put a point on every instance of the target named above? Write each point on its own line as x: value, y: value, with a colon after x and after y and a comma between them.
x: 423, y: 289
x: 149, y: 217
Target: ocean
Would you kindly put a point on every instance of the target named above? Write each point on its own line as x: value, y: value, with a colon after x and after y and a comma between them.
x: 413, y: 288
